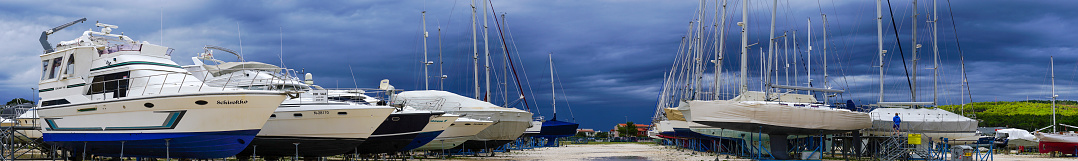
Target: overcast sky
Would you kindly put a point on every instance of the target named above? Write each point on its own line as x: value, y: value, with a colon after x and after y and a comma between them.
x: 610, y: 56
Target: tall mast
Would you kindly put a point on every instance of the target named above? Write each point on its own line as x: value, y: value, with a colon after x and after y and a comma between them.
x: 426, y: 78
x: 808, y: 57
x: 770, y: 50
x: 475, y: 52
x: 699, y: 52
x: 795, y: 59
x: 441, y: 76
x: 486, y: 49
x: 1053, y: 66
x: 744, y: 47
x: 553, y: 102
x: 826, y: 96
x: 913, y: 81
x: 719, y: 51
x: 936, y: 56
x: 879, y: 36
x: 786, y: 56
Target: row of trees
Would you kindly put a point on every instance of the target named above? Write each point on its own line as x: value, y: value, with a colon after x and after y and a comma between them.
x: 1029, y: 114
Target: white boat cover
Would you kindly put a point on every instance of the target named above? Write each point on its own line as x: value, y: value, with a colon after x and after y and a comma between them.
x: 1018, y: 137
x: 922, y: 121
x: 1069, y: 137
x: 792, y: 118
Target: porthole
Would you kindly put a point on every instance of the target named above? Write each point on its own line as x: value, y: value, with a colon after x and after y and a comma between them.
x: 342, y: 113
x: 396, y: 119
x: 273, y: 116
x: 297, y: 114
x: 241, y: 141
x: 148, y: 105
x: 468, y: 124
x: 201, y: 102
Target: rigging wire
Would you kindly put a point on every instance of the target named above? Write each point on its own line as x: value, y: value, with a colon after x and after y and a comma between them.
x: 960, y: 53
x: 900, y: 51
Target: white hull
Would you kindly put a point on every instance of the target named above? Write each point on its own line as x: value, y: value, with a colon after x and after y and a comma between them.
x: 457, y: 133
x: 509, y: 123
x: 537, y: 126
x: 440, y: 123
x: 248, y: 110
x: 776, y: 117
x: 932, y: 123
x: 326, y: 121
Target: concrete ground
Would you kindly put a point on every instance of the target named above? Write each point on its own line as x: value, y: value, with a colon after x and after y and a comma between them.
x: 603, y: 152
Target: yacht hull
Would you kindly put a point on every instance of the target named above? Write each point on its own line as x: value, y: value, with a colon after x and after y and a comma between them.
x: 1063, y: 143
x: 396, y: 132
x: 555, y: 128
x: 436, y: 127
x: 321, y: 130
x: 457, y: 133
x: 140, y: 126
x: 774, y: 118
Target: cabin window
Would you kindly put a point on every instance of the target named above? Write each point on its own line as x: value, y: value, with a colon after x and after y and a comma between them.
x: 70, y: 69
x: 297, y: 115
x: 44, y: 69
x: 115, y: 83
x: 273, y: 116
x: 55, y: 66
x: 342, y: 113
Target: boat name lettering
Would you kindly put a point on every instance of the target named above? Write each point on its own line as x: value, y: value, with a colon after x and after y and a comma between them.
x: 226, y: 102
x: 321, y: 112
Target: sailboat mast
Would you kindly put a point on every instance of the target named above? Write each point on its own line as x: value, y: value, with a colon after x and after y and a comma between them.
x: 879, y: 36
x: 553, y: 102
x: 441, y: 76
x: 936, y: 55
x: 719, y: 50
x: 426, y: 77
x: 1053, y: 70
x: 475, y: 52
x: 770, y: 50
x: 913, y: 82
x: 744, y: 47
x: 808, y: 57
x: 486, y: 49
x: 826, y: 96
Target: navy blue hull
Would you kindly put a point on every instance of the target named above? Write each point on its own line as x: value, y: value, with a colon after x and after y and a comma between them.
x: 555, y: 128
x: 179, y: 145
x: 422, y: 139
x: 396, y: 132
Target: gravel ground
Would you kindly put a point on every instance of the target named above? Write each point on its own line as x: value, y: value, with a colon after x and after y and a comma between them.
x: 602, y: 152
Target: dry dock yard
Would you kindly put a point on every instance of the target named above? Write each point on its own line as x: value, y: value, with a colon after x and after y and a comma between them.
x: 603, y: 152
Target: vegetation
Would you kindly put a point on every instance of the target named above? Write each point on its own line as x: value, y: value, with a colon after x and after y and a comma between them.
x: 17, y: 101
x: 602, y: 134
x: 1029, y: 115
x: 629, y: 130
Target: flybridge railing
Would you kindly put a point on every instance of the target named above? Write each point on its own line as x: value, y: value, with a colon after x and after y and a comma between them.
x: 386, y: 95
x: 174, y: 83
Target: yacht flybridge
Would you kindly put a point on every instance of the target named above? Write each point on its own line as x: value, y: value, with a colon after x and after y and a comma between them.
x: 108, y: 95
x: 321, y: 127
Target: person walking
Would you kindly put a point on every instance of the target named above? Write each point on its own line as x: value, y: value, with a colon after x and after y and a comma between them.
x: 898, y: 122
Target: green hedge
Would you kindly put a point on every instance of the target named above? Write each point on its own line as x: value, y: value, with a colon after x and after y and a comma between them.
x: 1029, y: 115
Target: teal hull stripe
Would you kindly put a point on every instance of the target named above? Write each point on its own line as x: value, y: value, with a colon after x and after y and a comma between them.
x: 170, y: 123
x: 135, y: 63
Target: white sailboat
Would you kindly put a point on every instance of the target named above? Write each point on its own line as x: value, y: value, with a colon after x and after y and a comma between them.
x: 106, y: 94
x: 312, y: 120
x: 1063, y: 142
x: 932, y: 123
x: 457, y: 133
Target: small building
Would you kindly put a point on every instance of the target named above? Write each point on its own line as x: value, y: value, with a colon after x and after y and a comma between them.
x: 641, y: 129
x: 587, y: 132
